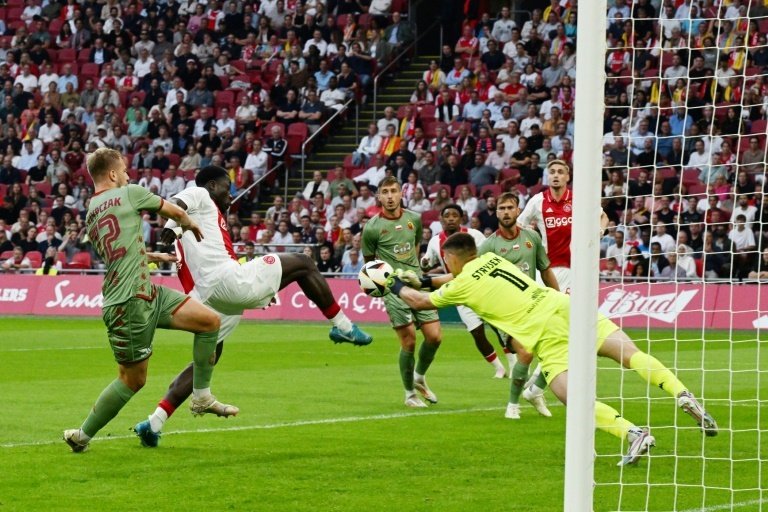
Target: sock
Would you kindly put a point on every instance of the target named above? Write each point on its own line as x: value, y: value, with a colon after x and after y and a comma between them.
x: 200, y: 392
x: 203, y: 356
x: 341, y: 321
x: 493, y: 358
x: 511, y: 356
x: 407, y: 362
x: 609, y: 420
x: 541, y: 382
x: 109, y: 403
x: 651, y: 370
x: 427, y: 353
x: 519, y: 376
x: 157, y: 419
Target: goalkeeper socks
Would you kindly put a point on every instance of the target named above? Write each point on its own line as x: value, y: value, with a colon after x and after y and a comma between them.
x: 519, y: 376
x: 540, y: 383
x: 427, y: 353
x: 651, y: 370
x: 203, y: 359
x: 337, y: 317
x: 407, y: 363
x: 609, y: 420
x: 493, y: 358
x: 109, y: 403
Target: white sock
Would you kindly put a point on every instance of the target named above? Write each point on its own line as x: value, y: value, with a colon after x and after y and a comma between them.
x: 418, y: 376
x: 497, y: 364
x: 199, y: 393
x: 409, y: 393
x: 535, y: 390
x: 511, y: 357
x: 83, y: 437
x: 342, y: 322
x: 157, y: 419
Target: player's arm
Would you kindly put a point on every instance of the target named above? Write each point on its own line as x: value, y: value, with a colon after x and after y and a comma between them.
x: 168, y: 235
x: 172, y: 211
x: 161, y: 257
x: 549, y: 279
x: 415, y: 299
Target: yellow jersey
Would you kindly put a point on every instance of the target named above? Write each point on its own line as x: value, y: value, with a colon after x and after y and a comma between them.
x: 504, y: 296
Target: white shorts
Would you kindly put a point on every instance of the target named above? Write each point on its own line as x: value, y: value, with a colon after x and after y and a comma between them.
x: 469, y: 317
x: 251, y: 285
x: 228, y: 322
x: 563, y: 276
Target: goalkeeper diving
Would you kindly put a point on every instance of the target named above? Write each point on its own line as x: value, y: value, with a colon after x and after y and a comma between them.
x: 538, y: 317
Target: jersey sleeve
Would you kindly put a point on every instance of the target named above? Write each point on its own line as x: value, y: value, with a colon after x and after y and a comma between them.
x: 368, y: 242
x: 486, y: 246
x: 542, y: 260
x: 478, y: 236
x: 452, y: 293
x: 433, y: 251
x: 532, y: 213
x: 142, y: 199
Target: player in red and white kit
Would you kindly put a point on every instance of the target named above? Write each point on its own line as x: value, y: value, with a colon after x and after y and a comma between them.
x: 209, y: 271
x: 551, y: 211
x: 450, y: 217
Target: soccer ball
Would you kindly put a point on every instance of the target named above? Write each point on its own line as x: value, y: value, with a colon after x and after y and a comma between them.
x: 373, y: 278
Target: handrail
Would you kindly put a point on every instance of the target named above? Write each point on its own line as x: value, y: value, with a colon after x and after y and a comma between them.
x: 256, y: 182
x: 344, y: 108
x: 380, y: 72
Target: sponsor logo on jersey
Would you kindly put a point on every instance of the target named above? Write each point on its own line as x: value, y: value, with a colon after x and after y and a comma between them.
x: 503, y: 250
x: 269, y: 260
x: 665, y: 307
x: 516, y: 247
x: 402, y: 249
x: 398, y: 228
x: 567, y: 208
x: 548, y: 210
x: 384, y: 231
x: 410, y: 225
x: 528, y: 244
x: 556, y: 222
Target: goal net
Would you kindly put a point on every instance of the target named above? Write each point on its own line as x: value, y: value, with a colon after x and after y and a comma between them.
x: 685, y: 260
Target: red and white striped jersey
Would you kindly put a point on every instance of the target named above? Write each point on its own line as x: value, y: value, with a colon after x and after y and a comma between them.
x: 554, y: 220
x: 201, y: 263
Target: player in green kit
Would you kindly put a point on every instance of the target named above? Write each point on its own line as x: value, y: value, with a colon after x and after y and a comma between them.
x: 538, y: 318
x: 133, y: 306
x: 522, y: 247
x: 394, y: 236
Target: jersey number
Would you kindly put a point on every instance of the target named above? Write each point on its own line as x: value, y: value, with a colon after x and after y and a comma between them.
x: 509, y: 276
x: 113, y: 231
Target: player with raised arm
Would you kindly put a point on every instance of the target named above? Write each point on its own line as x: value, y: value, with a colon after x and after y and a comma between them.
x: 538, y: 318
x: 450, y: 218
x: 133, y: 306
x: 210, y: 271
x: 394, y: 236
x: 522, y: 247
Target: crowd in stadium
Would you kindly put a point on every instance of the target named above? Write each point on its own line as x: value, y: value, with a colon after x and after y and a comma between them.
x: 179, y: 85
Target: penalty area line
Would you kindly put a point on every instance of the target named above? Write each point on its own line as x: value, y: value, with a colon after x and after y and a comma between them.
x: 269, y: 426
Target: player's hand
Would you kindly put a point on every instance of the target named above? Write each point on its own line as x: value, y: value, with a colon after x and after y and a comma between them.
x: 409, y: 277
x: 168, y: 236
x: 194, y: 229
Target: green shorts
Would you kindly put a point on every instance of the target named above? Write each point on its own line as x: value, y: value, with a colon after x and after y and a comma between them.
x: 552, y: 348
x: 401, y: 314
x: 131, y: 325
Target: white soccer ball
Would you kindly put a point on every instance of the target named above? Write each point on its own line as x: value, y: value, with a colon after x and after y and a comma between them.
x: 373, y: 278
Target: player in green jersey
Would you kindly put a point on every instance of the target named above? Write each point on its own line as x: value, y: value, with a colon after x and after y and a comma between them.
x: 538, y: 318
x: 394, y: 236
x: 133, y: 306
x: 523, y: 247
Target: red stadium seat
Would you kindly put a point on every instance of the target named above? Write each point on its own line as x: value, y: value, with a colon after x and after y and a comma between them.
x: 510, y: 174
x: 84, y: 55
x: 472, y: 190
x: 433, y: 189
x: 494, y: 189
x: 175, y: 159
x: 758, y: 126
x: 297, y: 134
x: 429, y: 217
x: 224, y: 99
x: 44, y: 188
x: 268, y: 128
x: 5, y: 255
x: 67, y: 55
x: 89, y: 70
x: 35, y: 258
x: 81, y: 260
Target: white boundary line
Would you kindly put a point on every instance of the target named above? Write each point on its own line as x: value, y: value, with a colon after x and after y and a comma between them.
x: 728, y: 506
x: 287, y: 424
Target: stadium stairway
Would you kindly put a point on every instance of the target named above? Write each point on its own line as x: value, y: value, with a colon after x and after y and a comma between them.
x: 343, y: 141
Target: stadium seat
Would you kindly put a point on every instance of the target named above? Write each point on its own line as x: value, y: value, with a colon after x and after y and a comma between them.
x: 690, y: 177
x: 54, y: 28
x: 472, y: 190
x: 758, y: 126
x: 5, y: 255
x: 433, y: 189
x: 224, y: 99
x: 44, y: 188
x: 699, y: 262
x: 175, y: 159
x: 494, y: 189
x: 67, y: 55
x: 696, y: 188
x: 297, y: 134
x: 84, y: 56
x: 81, y: 260
x: 364, y: 21
x: 427, y: 112
x: 268, y: 128
x: 89, y: 70
x: 429, y: 217
x: 35, y: 258
x: 512, y: 175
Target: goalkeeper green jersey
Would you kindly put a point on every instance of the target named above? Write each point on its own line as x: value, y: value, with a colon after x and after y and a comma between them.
x: 525, y: 250
x: 114, y: 228
x: 502, y: 295
x: 395, y: 241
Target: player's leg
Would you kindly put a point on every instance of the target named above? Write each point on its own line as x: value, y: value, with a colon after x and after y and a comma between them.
x: 300, y: 269
x: 430, y: 327
x: 619, y: 347
x: 406, y: 334
x: 519, y: 376
x: 506, y: 345
x: 609, y: 420
x: 180, y: 389
x: 476, y: 328
x: 130, y: 328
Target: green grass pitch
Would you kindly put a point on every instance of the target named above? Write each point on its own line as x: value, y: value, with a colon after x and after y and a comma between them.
x: 322, y: 428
